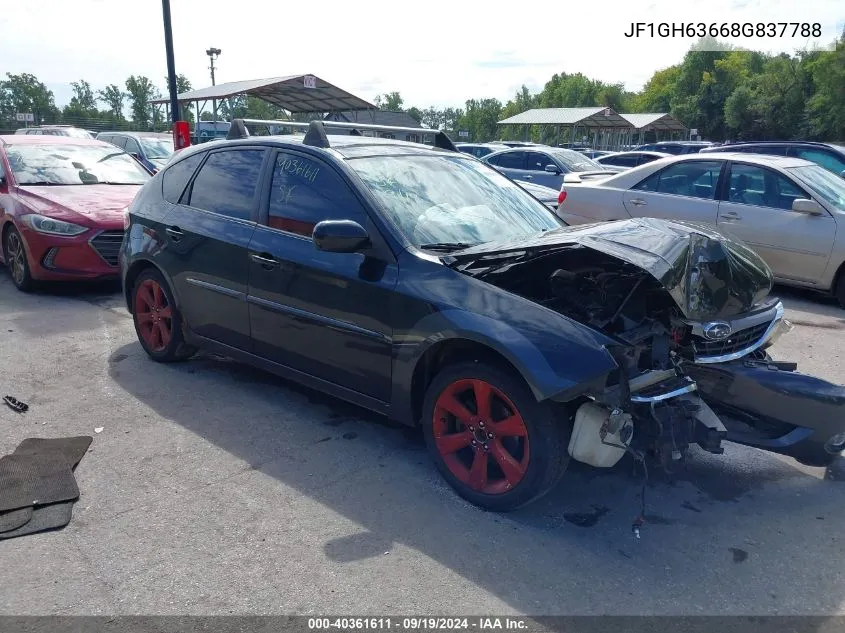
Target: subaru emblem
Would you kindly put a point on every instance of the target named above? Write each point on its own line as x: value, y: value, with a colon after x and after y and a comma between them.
x: 717, y: 330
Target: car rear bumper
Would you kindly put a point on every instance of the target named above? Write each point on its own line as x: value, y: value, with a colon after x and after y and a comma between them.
x: 768, y: 406
x: 92, y: 255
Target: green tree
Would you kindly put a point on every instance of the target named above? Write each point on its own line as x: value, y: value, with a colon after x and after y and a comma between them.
x: 141, y: 91
x: 416, y: 114
x: 114, y: 98
x: 480, y: 119
x: 390, y: 101
x: 24, y: 93
x: 826, y: 106
x: 656, y: 95
x: 82, y: 108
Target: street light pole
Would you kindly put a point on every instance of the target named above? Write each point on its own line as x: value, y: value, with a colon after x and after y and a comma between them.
x: 171, y: 64
x: 213, y: 53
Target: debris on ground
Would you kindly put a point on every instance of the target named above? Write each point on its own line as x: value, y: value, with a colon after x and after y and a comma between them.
x: 15, y: 404
x: 99, y: 429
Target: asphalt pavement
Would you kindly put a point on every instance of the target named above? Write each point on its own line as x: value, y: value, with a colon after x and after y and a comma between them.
x: 214, y: 488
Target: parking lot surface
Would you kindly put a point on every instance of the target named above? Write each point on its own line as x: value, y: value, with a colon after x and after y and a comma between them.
x: 214, y: 488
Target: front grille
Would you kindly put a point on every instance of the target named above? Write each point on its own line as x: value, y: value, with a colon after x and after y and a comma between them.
x: 736, y: 342
x: 107, y: 244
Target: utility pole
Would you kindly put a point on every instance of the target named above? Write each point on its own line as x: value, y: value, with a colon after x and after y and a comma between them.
x: 181, y: 129
x: 213, y: 53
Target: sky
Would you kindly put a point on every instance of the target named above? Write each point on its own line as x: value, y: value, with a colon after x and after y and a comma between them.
x: 440, y: 52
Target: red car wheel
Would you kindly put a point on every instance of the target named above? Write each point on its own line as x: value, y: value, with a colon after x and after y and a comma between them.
x: 493, y: 442
x: 14, y: 253
x: 158, y: 322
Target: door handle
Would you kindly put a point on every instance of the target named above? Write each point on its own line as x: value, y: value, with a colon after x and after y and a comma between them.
x: 175, y: 233
x: 637, y: 202
x: 730, y: 215
x: 265, y: 261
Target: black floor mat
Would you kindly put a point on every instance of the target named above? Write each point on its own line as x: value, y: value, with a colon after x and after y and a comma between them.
x: 44, y: 518
x: 71, y: 449
x: 27, y: 480
x: 13, y: 519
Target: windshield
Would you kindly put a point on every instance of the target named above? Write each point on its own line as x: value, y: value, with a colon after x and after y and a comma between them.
x: 157, y: 147
x: 65, y: 164
x: 75, y: 133
x: 828, y: 186
x: 576, y: 161
x: 451, y: 200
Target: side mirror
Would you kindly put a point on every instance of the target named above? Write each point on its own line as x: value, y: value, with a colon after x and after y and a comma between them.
x: 552, y: 169
x: 340, y: 236
x: 805, y: 205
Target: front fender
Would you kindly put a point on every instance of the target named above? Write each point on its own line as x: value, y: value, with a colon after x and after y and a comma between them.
x: 550, y: 362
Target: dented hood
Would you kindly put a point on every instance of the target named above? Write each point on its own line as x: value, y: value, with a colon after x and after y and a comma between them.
x: 708, y: 275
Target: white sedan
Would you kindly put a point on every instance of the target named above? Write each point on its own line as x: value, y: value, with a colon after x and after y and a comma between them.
x: 787, y: 209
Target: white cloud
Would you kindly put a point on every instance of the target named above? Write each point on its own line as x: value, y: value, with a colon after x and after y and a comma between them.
x: 439, y: 53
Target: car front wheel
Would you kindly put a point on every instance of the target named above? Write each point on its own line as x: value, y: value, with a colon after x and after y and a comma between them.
x: 14, y: 253
x: 489, y: 437
x: 158, y: 322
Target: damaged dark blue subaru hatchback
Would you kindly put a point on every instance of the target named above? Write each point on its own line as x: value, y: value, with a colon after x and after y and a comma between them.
x: 422, y: 284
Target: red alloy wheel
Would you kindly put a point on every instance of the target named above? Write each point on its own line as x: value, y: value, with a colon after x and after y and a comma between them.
x: 481, y: 436
x: 153, y: 315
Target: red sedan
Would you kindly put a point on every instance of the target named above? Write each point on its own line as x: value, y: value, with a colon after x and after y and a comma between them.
x: 61, y: 207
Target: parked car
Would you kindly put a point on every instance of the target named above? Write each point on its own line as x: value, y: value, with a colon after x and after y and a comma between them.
x: 422, y: 284
x: 675, y: 147
x: 544, y: 165
x: 593, y: 153
x: 828, y: 155
x: 56, y: 130
x: 61, y: 206
x: 480, y: 150
x: 520, y: 144
x: 630, y: 159
x: 789, y: 210
x: 152, y: 150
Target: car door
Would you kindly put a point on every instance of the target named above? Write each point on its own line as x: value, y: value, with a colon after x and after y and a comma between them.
x: 324, y: 314
x: 207, y: 237
x: 685, y: 190
x: 756, y: 207
x: 535, y: 165
x: 512, y: 165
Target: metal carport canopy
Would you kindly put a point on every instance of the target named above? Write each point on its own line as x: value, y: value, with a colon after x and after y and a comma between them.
x: 654, y: 122
x: 295, y: 93
x: 586, y: 117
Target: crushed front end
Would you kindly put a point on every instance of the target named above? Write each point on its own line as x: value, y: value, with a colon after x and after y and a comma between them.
x: 691, y: 316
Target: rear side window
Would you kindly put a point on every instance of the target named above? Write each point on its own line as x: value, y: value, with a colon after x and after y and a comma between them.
x: 622, y: 161
x: 227, y: 183
x: 511, y: 160
x: 131, y: 146
x: 693, y: 179
x: 175, y: 178
x: 305, y: 191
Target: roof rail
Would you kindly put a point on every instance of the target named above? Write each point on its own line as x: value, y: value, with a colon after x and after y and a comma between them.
x: 316, y: 131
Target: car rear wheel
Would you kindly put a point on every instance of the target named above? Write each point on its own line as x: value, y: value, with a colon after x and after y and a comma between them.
x: 158, y: 322
x: 14, y: 253
x: 489, y: 437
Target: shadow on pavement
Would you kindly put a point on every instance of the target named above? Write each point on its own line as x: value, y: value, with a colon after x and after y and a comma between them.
x: 742, y: 533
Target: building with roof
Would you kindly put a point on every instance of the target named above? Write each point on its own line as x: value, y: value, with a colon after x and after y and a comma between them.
x: 293, y: 93
x: 598, y: 127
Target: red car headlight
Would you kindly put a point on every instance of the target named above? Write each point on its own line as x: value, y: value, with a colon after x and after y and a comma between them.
x: 51, y: 226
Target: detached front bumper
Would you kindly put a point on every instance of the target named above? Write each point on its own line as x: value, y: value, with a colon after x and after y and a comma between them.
x: 765, y: 405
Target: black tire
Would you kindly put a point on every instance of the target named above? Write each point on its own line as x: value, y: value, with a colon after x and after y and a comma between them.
x: 19, y: 268
x: 172, y: 348
x: 546, y: 445
x: 840, y: 288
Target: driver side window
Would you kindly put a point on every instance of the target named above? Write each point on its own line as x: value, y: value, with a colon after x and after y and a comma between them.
x: 305, y: 191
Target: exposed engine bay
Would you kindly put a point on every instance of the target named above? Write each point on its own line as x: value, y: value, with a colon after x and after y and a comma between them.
x: 674, y: 297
